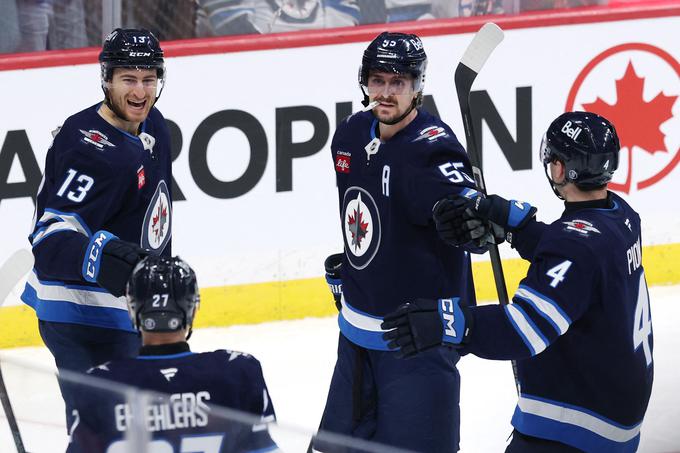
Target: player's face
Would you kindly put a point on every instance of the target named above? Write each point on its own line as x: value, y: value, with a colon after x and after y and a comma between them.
x: 132, y: 92
x: 394, y: 92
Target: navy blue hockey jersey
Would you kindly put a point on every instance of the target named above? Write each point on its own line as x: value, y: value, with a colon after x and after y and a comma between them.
x: 386, y: 194
x: 97, y: 177
x: 581, y: 328
x: 189, y: 415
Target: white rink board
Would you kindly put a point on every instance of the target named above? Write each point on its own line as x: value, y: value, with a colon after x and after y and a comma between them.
x: 265, y: 235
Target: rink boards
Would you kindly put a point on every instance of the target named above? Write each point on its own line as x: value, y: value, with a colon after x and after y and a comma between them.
x: 252, y: 124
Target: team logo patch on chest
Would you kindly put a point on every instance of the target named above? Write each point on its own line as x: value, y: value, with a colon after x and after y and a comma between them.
x: 96, y: 138
x: 361, y: 227
x: 157, y: 220
x: 430, y: 133
x: 342, y: 161
x: 583, y: 227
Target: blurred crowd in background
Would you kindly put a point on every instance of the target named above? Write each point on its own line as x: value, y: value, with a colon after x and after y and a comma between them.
x: 33, y: 25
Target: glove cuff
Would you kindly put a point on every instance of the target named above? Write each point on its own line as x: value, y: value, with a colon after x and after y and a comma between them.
x: 93, y: 255
x: 519, y: 213
x: 453, y: 320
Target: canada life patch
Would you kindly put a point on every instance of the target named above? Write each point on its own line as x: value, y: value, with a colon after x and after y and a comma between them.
x: 157, y: 220
x: 342, y: 161
x: 141, y: 179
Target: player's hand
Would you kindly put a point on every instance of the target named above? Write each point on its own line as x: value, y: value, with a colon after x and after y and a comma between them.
x: 511, y: 215
x: 333, y: 266
x: 424, y: 324
x: 458, y: 228
x: 109, y: 261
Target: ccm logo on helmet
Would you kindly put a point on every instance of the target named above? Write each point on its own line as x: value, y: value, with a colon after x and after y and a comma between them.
x: 572, y: 133
x: 140, y: 54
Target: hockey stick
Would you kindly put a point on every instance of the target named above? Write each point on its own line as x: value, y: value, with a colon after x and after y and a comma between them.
x: 11, y: 272
x: 472, y: 61
x: 483, y: 43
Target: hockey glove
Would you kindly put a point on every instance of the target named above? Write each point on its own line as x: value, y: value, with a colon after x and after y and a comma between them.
x: 457, y: 228
x: 109, y: 262
x: 333, y: 266
x: 510, y: 215
x: 418, y: 326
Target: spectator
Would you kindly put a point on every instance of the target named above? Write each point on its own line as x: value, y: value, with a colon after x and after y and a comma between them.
x: 9, y: 29
x: 50, y: 24
x: 231, y: 17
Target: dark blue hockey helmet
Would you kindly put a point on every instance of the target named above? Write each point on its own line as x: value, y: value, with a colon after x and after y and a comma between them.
x: 162, y: 295
x: 399, y: 53
x: 587, y: 145
x: 131, y: 48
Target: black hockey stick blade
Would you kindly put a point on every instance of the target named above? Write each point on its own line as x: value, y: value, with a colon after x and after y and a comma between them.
x: 483, y: 44
x: 11, y: 272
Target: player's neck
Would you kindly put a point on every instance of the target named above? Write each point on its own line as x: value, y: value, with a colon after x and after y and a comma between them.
x: 571, y: 193
x: 155, y: 339
x: 116, y: 121
x: 387, y: 131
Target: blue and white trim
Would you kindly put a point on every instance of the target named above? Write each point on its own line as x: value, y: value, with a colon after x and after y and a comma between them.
x: 527, y: 330
x: 573, y: 425
x: 546, y: 307
x: 53, y: 221
x: 93, y: 255
x: 59, y: 302
x: 361, y: 328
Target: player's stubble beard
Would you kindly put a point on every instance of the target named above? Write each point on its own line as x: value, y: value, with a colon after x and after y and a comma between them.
x: 400, y: 114
x: 119, y: 111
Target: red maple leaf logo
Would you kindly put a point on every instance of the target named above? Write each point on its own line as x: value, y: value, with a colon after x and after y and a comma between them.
x: 357, y: 228
x: 637, y: 122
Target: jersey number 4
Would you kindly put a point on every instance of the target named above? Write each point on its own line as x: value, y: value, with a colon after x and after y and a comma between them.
x: 85, y: 184
x: 642, y: 321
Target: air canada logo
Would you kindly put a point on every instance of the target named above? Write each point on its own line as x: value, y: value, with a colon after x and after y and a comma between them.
x: 156, y: 228
x: 635, y: 86
x: 361, y: 227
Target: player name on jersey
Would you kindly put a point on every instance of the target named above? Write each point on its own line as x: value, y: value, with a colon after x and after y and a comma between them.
x: 179, y: 411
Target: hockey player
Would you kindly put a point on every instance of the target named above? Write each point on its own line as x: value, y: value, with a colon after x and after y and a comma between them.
x: 393, y: 163
x: 104, y: 202
x: 579, y: 324
x: 162, y: 297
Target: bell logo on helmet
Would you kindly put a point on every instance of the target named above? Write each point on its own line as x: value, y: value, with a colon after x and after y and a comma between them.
x: 572, y: 132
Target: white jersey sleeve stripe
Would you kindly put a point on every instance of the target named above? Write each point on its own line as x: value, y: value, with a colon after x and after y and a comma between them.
x: 526, y: 329
x: 546, y: 308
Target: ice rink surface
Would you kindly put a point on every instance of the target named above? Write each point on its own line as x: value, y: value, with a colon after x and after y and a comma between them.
x: 298, y: 357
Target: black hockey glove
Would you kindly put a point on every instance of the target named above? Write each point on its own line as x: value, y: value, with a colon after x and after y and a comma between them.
x: 109, y: 262
x: 418, y: 326
x: 453, y: 227
x: 333, y: 266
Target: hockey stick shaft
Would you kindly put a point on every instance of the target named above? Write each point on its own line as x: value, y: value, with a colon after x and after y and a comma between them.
x: 11, y: 272
x: 472, y: 61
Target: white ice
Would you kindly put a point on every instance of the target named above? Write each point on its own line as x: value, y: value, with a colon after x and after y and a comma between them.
x: 298, y: 357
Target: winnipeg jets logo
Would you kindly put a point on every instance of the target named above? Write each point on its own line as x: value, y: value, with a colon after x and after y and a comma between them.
x: 361, y: 227
x: 157, y: 220
x: 583, y: 227
x: 430, y: 134
x: 168, y: 373
x: 96, y: 138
